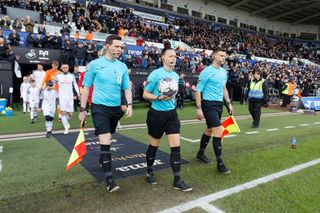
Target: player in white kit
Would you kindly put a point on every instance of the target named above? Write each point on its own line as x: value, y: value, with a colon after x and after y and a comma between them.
x: 66, y: 82
x: 33, y: 97
x: 49, y: 106
x: 23, y: 93
x: 38, y: 75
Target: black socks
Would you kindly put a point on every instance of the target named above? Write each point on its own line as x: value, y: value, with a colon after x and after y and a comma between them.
x: 175, y: 162
x: 105, y: 161
x: 203, y: 144
x: 150, y: 157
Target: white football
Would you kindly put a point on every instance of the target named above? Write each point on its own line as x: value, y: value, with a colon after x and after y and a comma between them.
x: 168, y: 87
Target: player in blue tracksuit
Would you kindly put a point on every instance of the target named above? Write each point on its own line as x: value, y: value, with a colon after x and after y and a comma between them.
x: 163, y: 118
x: 212, y: 86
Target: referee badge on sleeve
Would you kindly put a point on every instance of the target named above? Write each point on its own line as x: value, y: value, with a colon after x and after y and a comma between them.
x: 119, y: 78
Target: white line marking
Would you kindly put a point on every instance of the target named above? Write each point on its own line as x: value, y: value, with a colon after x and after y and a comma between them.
x: 190, y: 140
x: 253, y: 132
x: 289, y: 127
x: 248, y: 185
x: 316, y: 122
x: 1, y: 150
x: 142, y: 125
x: 230, y: 136
x: 304, y: 124
x: 210, y: 208
x: 22, y: 138
x: 271, y: 130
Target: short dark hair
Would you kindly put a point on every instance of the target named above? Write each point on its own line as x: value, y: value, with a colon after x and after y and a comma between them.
x: 49, y: 83
x: 218, y: 49
x: 55, y: 62
x: 110, y: 39
x: 166, y: 44
x: 258, y: 72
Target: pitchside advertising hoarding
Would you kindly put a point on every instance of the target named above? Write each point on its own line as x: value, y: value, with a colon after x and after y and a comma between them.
x: 36, y: 55
x: 311, y: 103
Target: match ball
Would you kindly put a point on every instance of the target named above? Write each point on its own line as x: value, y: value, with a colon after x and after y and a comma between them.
x: 168, y: 87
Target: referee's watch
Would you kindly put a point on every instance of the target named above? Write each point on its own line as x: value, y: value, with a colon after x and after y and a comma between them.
x: 228, y: 103
x: 83, y: 109
x: 129, y: 104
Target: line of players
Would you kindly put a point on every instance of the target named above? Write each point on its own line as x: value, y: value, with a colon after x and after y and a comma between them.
x: 50, y: 91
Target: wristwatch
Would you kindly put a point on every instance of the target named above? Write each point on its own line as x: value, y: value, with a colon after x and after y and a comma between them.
x: 129, y: 104
x: 198, y: 107
x: 82, y: 109
x: 228, y: 103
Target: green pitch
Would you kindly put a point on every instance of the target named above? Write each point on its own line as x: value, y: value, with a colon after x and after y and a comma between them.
x: 21, y: 122
x: 33, y: 177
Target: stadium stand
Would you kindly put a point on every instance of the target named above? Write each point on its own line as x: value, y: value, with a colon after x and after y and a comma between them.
x: 243, y: 46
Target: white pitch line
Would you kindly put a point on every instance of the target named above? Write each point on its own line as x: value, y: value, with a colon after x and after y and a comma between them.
x: 1, y: 150
x: 289, y: 127
x: 230, y: 136
x: 248, y: 185
x: 253, y: 132
x: 271, y: 130
x: 190, y: 140
x: 316, y: 122
x: 210, y: 208
x: 304, y: 124
x: 22, y: 138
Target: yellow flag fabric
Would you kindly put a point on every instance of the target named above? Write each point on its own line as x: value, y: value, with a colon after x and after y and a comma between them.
x: 229, y: 125
x: 78, y: 151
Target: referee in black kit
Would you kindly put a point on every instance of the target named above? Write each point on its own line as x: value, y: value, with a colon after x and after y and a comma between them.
x: 212, y: 85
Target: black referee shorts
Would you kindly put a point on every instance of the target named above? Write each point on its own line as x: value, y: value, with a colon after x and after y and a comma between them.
x: 212, y: 111
x: 105, y: 118
x: 160, y: 122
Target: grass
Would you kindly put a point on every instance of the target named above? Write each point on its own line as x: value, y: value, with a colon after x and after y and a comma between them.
x: 20, y: 122
x: 33, y: 174
x: 295, y: 193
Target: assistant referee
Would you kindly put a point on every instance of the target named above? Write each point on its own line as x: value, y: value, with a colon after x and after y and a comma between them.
x: 212, y: 85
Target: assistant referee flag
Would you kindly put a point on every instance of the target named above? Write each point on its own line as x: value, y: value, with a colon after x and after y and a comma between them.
x: 229, y: 125
x: 78, y: 151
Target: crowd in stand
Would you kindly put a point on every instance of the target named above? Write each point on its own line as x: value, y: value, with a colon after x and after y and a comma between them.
x: 194, y: 33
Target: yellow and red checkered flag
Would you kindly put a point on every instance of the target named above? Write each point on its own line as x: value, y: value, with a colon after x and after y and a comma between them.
x: 78, y: 151
x: 229, y: 125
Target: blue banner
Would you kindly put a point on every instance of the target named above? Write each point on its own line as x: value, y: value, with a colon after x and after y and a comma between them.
x: 311, y: 103
x: 135, y: 50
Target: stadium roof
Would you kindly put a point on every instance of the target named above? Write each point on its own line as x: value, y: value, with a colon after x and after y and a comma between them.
x: 291, y: 11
